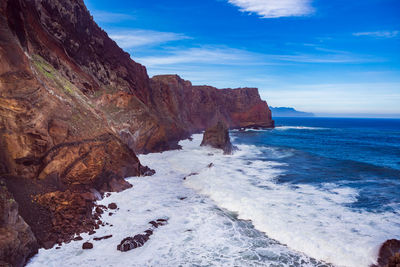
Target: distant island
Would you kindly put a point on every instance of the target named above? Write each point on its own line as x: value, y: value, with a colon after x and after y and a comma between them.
x: 289, y: 112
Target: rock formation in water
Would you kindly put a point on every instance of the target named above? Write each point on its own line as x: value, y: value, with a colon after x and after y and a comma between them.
x: 74, y: 110
x: 389, y: 254
x: 217, y: 136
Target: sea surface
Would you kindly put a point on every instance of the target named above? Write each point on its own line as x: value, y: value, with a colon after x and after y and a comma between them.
x: 311, y: 192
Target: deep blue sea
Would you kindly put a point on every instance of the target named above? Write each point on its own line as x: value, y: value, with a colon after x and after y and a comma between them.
x: 363, y: 154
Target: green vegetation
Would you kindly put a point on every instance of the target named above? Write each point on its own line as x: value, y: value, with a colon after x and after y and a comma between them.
x: 52, y: 74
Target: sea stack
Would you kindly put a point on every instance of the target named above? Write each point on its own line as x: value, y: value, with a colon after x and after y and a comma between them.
x: 389, y: 254
x: 217, y: 136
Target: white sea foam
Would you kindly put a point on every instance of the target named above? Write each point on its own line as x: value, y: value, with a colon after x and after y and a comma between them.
x: 280, y: 128
x: 310, y: 221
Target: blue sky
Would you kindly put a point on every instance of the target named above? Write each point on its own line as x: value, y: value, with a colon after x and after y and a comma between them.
x: 338, y: 57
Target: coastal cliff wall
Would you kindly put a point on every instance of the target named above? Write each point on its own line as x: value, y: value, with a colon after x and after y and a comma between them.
x: 74, y: 110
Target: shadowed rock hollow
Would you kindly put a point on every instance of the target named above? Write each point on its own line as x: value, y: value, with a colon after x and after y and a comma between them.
x: 17, y: 242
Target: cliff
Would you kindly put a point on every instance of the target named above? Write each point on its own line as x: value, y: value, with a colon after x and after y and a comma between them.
x: 74, y: 110
x: 52, y: 138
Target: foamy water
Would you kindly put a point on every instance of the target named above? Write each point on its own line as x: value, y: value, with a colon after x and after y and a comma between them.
x: 294, y: 225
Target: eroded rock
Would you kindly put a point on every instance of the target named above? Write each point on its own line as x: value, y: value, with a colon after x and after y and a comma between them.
x: 218, y: 137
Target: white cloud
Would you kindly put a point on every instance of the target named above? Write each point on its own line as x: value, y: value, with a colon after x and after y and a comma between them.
x: 136, y: 38
x: 208, y: 55
x: 378, y: 34
x: 236, y: 57
x: 275, y: 8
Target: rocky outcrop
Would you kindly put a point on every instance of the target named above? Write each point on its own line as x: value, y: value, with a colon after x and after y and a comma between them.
x: 17, y: 242
x: 218, y: 137
x: 389, y: 254
x: 139, y: 240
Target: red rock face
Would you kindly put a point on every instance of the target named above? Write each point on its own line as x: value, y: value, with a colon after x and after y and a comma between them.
x: 195, y: 108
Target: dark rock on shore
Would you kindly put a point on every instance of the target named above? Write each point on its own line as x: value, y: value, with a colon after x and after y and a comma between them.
x: 101, y: 238
x: 218, y: 137
x: 17, y: 242
x: 139, y: 240
x: 112, y: 206
x: 389, y: 254
x: 87, y: 245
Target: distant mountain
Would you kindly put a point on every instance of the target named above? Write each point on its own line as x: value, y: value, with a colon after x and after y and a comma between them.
x: 289, y: 112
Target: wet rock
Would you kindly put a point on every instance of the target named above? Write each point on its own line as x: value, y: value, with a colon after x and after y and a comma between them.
x: 139, y: 240
x: 218, y: 137
x: 78, y: 238
x: 154, y: 224
x: 99, y: 210
x: 112, y: 206
x: 191, y: 174
x: 389, y: 254
x: 146, y: 171
x: 101, y: 238
x: 87, y: 245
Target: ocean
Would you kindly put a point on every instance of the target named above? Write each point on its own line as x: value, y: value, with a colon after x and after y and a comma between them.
x: 311, y: 192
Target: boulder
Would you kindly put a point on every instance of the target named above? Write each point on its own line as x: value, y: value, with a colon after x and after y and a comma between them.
x: 87, y: 245
x: 218, y: 137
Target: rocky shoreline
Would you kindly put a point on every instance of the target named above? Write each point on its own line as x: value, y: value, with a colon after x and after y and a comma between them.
x: 75, y: 110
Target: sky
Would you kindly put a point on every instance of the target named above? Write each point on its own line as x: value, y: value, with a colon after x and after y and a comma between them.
x: 333, y: 58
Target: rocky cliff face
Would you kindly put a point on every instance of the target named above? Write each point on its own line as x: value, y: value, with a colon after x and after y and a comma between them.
x: 199, y: 107
x: 74, y: 109
x: 17, y: 241
x: 52, y: 138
